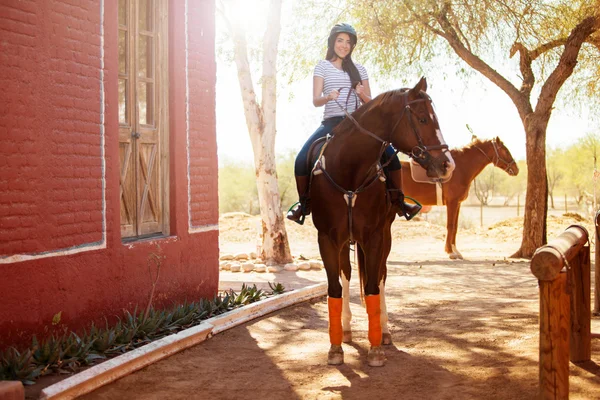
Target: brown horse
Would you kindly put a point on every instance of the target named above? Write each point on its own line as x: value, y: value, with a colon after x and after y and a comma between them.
x: 350, y: 202
x: 470, y: 161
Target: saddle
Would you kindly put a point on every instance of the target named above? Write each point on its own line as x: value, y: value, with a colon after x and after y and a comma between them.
x: 314, y: 153
x: 419, y: 174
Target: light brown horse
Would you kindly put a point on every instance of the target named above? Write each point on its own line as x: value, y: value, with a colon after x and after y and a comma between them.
x: 470, y: 161
x: 350, y: 202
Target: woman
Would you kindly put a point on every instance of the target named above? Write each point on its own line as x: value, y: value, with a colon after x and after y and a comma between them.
x: 332, y: 80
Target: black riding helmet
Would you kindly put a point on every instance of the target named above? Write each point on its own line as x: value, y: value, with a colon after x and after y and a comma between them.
x: 342, y: 28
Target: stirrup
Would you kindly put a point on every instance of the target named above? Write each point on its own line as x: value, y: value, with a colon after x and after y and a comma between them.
x: 290, y: 212
x: 405, y: 214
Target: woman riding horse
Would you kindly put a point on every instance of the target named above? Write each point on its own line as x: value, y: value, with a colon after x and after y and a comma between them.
x: 350, y: 203
x: 338, y: 77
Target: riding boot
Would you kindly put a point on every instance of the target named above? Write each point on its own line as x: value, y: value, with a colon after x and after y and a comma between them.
x: 302, y: 208
x: 407, y: 210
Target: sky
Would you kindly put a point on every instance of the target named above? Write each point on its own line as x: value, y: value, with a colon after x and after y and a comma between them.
x: 483, y: 106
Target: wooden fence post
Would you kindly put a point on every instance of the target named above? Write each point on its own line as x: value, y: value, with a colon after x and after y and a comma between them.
x: 581, y: 330
x: 564, y: 308
x: 554, y: 339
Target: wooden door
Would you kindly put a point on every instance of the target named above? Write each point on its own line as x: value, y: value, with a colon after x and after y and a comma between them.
x: 142, y: 117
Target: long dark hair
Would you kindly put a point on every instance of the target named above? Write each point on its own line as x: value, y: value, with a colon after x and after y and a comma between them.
x: 347, y: 63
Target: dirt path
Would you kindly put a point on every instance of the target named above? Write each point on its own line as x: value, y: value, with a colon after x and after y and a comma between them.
x: 461, y: 330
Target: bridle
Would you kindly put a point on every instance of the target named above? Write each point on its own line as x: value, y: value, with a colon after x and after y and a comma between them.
x: 507, y: 165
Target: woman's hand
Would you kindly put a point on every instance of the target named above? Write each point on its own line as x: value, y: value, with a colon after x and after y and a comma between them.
x: 334, y: 94
x: 363, y: 91
x: 360, y: 89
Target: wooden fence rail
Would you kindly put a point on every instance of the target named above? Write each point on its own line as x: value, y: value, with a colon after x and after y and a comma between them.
x: 565, y: 315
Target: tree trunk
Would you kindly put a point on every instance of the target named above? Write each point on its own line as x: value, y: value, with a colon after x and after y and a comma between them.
x: 275, y: 246
x: 536, y: 198
x: 261, y: 127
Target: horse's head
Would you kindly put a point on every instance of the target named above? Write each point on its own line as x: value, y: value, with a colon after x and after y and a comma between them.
x: 503, y: 159
x: 416, y: 131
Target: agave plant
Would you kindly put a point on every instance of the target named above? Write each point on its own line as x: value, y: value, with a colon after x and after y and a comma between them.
x: 50, y: 353
x: 19, y: 366
x: 276, y: 288
x: 149, y: 325
x: 78, y: 352
x: 181, y: 317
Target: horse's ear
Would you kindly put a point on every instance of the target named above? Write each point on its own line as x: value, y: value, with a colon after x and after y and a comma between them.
x: 498, y: 139
x: 421, y: 86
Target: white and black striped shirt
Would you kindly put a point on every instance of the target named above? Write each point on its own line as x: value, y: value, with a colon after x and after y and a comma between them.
x: 334, y: 78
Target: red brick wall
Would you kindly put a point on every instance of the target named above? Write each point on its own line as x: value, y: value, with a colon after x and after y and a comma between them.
x: 201, y: 64
x: 50, y: 123
x: 50, y: 158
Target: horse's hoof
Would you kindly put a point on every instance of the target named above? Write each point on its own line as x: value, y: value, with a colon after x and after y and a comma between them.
x: 453, y: 256
x: 376, y: 357
x: 335, y: 355
x: 347, y: 337
x: 386, y: 339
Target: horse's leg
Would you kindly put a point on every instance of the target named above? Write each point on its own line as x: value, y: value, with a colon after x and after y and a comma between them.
x: 386, y: 337
x: 452, y: 209
x: 346, y: 312
x: 331, y: 256
x: 374, y: 252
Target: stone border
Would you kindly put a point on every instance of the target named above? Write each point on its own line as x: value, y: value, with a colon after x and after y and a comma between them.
x: 118, y: 367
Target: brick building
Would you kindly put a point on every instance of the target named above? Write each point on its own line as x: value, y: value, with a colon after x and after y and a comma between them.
x: 107, y: 155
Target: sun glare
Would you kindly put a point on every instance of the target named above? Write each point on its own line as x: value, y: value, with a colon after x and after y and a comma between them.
x: 251, y: 15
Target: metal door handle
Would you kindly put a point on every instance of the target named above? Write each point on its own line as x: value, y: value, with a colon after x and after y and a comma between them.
x: 136, y: 135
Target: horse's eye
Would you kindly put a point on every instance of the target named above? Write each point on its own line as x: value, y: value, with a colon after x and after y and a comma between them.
x: 423, y: 120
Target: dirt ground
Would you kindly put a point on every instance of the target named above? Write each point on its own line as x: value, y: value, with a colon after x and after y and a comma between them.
x: 464, y: 329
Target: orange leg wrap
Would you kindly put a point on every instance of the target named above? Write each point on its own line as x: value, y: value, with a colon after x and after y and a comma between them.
x: 374, y: 313
x: 335, y: 320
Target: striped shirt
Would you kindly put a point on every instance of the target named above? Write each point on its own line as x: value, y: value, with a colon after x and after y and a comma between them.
x: 334, y: 78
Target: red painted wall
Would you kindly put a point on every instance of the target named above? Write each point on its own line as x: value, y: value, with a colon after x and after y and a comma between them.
x: 51, y: 168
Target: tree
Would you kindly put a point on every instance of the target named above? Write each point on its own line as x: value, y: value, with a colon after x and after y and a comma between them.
x: 546, y: 36
x: 261, y: 122
x: 591, y: 143
x: 483, y: 186
x: 555, y: 172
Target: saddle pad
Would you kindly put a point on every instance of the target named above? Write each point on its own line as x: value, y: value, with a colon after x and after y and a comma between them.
x: 419, y: 174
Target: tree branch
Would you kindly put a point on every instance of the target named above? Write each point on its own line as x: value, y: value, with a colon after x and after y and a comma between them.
x: 548, y: 46
x: 269, y: 74
x: 566, y: 64
x: 525, y: 66
x: 252, y: 110
x: 521, y: 102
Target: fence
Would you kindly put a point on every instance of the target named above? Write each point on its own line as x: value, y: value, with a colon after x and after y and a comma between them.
x: 565, y: 315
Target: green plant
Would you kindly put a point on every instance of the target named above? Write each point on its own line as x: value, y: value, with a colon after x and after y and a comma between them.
x: 61, y: 354
x: 276, y: 288
x: 50, y: 353
x: 78, y: 352
x: 19, y: 366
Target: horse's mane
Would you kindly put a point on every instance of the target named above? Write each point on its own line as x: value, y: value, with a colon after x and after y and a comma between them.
x: 475, y: 142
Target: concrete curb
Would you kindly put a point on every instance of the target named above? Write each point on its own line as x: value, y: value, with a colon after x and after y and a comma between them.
x: 266, y: 306
x: 115, y: 368
x: 118, y: 367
